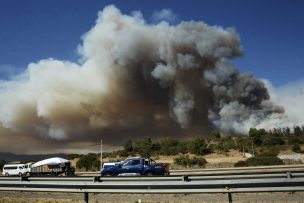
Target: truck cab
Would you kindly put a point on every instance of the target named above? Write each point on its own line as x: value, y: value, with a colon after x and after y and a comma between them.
x: 136, y: 166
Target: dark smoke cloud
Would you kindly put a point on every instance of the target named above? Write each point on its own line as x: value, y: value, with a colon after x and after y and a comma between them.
x: 138, y: 79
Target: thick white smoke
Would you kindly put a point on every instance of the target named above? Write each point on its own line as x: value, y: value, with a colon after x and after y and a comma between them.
x: 138, y: 79
x: 291, y: 96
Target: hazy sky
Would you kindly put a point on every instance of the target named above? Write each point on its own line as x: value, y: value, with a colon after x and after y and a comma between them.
x: 271, y: 31
x: 69, y: 76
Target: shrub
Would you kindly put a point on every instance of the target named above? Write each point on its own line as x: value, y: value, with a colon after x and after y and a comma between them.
x: 122, y: 153
x: 226, y: 143
x: 260, y: 161
x: 198, y: 146
x: 241, y: 164
x: 201, y: 162
x: 168, y: 146
x: 215, y: 135
x: 143, y: 147
x: 128, y: 146
x: 89, y: 162
x: 269, y: 151
x: 273, y: 140
x: 296, y: 148
x: 296, y: 140
x: 257, y: 135
x: 2, y: 163
x: 186, y: 161
x: 73, y: 156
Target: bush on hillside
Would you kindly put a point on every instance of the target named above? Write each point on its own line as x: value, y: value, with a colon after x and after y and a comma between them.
x: 2, y: 163
x: 143, y: 147
x: 296, y: 148
x: 198, y: 146
x: 269, y: 151
x: 272, y: 140
x: 296, y: 140
x: 89, y: 162
x: 186, y: 161
x: 260, y: 161
x: 226, y: 143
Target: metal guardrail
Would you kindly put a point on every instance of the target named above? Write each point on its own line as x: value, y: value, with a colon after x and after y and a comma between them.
x: 219, y: 171
x: 279, y: 182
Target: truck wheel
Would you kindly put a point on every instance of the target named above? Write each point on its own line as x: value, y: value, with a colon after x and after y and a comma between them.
x: 107, y: 174
x: 6, y: 174
x: 20, y: 174
x: 149, y: 174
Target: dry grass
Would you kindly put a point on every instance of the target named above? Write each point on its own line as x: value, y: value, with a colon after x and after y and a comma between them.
x: 25, y: 197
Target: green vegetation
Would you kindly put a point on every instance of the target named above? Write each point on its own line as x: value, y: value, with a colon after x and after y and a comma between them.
x: 264, y: 144
x: 266, y: 157
x: 296, y: 148
x: 260, y: 161
x: 186, y: 161
x: 256, y: 140
x: 2, y: 163
x: 89, y: 162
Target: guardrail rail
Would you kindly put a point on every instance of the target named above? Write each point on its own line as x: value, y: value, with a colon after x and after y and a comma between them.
x: 228, y: 183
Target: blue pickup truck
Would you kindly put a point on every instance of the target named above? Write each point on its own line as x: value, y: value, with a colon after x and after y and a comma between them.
x: 136, y: 166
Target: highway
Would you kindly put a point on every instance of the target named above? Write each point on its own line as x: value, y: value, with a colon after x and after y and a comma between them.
x: 253, y: 180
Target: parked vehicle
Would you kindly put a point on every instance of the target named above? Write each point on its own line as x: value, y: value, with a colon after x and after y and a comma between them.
x: 52, y: 167
x: 136, y: 166
x: 28, y: 168
x: 14, y: 170
x: 105, y: 165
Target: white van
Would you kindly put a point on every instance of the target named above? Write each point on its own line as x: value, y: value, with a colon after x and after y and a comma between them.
x: 14, y: 170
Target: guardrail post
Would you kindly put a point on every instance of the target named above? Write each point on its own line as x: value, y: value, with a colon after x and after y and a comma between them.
x: 23, y: 178
x: 185, y: 178
x: 86, y: 197
x: 96, y: 179
x: 229, y: 197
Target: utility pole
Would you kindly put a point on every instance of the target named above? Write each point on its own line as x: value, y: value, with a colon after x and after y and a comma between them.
x: 243, y: 150
x: 100, y: 154
x: 252, y: 147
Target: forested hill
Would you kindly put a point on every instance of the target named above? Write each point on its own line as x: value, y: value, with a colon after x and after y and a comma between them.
x: 28, y: 157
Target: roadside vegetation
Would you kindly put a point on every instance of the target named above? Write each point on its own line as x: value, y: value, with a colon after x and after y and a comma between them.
x: 88, y: 162
x: 263, y: 144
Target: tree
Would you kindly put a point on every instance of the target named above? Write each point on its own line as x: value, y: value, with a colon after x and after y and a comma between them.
x: 260, y: 161
x: 287, y: 132
x: 226, y: 143
x: 198, y: 146
x: 273, y: 140
x: 144, y: 147
x: 186, y: 161
x: 215, y: 135
x: 2, y: 163
x: 88, y: 162
x: 297, y: 131
x: 296, y: 148
x: 169, y: 146
x: 257, y: 135
x: 128, y: 146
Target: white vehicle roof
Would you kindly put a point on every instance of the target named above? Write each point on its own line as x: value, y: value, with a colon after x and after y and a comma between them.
x: 51, y: 161
x: 13, y: 165
x: 110, y: 164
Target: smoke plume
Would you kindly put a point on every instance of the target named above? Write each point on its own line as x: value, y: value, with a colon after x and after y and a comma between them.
x: 138, y: 79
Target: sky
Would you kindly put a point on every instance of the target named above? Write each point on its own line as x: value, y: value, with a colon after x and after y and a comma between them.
x: 271, y: 31
x: 69, y: 69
